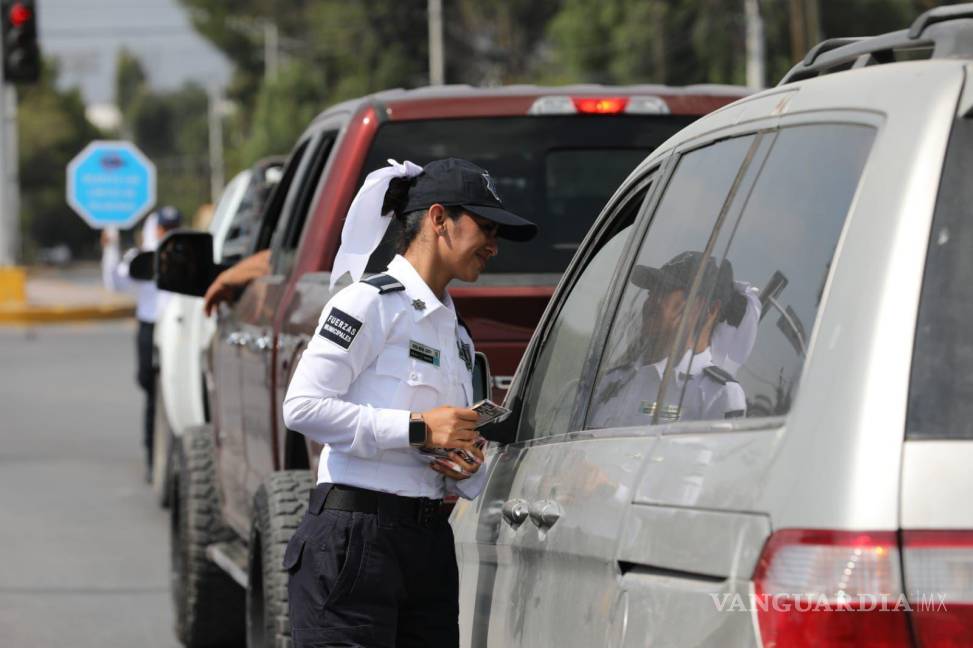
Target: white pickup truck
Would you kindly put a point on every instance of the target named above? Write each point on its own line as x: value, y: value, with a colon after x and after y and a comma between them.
x: 183, y: 331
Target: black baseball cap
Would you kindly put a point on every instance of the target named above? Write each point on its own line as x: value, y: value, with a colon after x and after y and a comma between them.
x: 678, y: 273
x: 453, y: 182
x: 168, y: 217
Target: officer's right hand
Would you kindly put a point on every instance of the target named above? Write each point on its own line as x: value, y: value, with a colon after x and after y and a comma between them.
x: 450, y: 427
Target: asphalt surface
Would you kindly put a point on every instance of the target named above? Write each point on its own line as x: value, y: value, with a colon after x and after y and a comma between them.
x: 83, y: 546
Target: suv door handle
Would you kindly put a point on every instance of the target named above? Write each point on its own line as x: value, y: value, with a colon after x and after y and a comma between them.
x: 544, y: 513
x: 515, y: 512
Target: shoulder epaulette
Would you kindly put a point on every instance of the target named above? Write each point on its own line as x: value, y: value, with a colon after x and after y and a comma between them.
x: 463, y: 324
x: 721, y: 376
x: 385, y: 283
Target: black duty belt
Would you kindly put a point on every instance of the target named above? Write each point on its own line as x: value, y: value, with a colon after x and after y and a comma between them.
x: 422, y: 510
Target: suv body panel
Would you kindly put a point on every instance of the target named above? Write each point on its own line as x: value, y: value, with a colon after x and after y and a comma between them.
x: 834, y: 462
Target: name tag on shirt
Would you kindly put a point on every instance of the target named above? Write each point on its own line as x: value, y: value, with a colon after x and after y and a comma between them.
x: 420, y: 351
x: 340, y: 327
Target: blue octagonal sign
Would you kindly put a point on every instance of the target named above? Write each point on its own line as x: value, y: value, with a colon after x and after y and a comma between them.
x: 111, y: 184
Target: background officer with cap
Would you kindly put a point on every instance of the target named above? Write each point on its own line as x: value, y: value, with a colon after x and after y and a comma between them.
x: 149, y: 302
x: 699, y: 388
x: 385, y: 383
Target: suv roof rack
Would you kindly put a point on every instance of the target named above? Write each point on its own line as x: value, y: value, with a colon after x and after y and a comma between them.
x: 943, y: 32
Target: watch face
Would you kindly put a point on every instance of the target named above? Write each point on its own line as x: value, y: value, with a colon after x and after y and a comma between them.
x: 417, y: 432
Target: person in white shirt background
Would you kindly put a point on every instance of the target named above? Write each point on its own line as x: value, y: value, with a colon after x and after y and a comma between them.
x: 149, y: 303
x: 387, y: 379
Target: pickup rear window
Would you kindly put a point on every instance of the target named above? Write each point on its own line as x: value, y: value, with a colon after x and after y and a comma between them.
x: 556, y: 171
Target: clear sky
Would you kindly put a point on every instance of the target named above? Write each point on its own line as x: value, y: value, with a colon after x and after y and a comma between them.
x: 87, y: 34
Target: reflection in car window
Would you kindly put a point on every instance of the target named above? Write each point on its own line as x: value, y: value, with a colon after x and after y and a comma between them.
x: 757, y: 296
x: 654, y: 300
x: 555, y: 382
x: 781, y: 251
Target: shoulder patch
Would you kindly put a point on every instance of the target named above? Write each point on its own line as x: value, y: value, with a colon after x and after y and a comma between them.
x: 721, y: 376
x: 340, y: 327
x: 385, y: 283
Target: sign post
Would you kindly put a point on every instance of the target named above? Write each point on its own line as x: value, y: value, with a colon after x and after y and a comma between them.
x: 111, y: 184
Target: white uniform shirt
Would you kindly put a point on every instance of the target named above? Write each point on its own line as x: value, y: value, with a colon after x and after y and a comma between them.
x: 376, y: 358
x: 150, y: 301
x: 628, y: 396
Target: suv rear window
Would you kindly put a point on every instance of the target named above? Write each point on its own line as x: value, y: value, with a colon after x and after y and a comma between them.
x: 556, y: 171
x: 940, y: 406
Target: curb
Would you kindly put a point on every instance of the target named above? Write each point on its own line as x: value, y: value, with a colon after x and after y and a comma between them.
x: 28, y: 314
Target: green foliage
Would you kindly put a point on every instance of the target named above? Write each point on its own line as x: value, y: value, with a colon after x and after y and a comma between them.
x: 52, y: 129
x: 331, y: 50
x: 130, y: 81
x: 171, y: 129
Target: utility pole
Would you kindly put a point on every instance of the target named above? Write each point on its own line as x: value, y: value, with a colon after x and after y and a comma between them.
x: 805, y: 27
x: 9, y: 223
x: 271, y: 50
x: 215, y: 144
x: 437, y: 63
x: 756, y: 57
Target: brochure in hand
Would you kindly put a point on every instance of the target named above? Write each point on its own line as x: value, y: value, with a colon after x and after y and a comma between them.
x: 489, y: 412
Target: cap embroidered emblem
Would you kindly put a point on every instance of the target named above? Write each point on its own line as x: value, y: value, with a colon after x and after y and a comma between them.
x: 418, y: 304
x: 491, y: 187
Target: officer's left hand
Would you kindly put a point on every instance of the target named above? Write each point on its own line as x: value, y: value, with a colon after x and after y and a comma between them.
x: 448, y: 467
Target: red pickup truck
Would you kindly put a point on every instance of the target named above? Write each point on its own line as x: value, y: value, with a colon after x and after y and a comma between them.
x: 241, y: 482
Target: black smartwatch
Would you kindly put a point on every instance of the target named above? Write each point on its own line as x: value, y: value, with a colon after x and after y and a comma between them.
x: 417, y: 430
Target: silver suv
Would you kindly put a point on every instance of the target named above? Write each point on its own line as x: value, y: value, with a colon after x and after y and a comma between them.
x: 747, y: 416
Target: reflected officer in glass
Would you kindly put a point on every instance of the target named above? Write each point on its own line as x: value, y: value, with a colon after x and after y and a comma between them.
x: 700, y: 388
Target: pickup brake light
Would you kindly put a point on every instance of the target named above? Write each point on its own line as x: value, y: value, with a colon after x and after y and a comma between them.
x: 567, y: 105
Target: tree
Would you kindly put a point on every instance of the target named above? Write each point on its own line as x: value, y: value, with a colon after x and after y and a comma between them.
x: 130, y: 82
x: 52, y: 129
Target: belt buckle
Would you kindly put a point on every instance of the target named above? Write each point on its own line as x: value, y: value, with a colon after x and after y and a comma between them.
x: 426, y: 511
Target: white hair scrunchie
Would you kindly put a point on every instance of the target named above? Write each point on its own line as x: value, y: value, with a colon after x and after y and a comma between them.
x: 365, y: 224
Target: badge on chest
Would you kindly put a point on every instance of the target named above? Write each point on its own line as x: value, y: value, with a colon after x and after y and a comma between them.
x: 420, y: 351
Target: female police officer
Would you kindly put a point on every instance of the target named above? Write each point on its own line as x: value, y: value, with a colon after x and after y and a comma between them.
x: 389, y: 374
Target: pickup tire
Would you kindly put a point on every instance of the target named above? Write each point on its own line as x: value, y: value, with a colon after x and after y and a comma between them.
x: 208, y: 603
x: 278, y: 509
x: 161, y: 444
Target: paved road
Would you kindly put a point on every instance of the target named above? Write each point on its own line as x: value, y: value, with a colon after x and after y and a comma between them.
x: 83, y: 547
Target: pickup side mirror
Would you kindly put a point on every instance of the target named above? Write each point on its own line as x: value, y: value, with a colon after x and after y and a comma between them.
x: 142, y: 266
x: 482, y: 381
x: 184, y: 263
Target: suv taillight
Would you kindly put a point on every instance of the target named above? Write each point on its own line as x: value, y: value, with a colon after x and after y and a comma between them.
x: 939, y: 578
x: 831, y: 588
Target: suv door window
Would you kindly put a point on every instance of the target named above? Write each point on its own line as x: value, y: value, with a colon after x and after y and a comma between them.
x: 555, y: 381
x: 646, y: 322
x: 755, y: 289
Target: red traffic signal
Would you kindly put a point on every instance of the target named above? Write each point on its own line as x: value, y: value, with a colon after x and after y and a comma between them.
x: 19, y: 14
x: 21, y: 54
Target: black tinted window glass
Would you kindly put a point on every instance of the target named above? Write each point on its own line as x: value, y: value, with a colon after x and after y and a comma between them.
x: 940, y: 406
x: 556, y: 379
x: 654, y: 300
x: 268, y: 227
x: 556, y: 171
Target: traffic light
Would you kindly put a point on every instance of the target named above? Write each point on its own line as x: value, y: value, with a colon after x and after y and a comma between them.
x: 21, y: 55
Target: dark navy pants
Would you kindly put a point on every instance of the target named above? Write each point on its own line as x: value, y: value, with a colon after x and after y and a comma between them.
x: 145, y: 376
x: 371, y: 580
